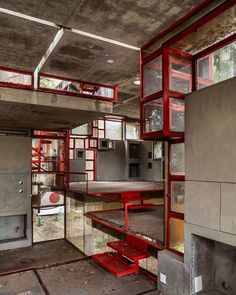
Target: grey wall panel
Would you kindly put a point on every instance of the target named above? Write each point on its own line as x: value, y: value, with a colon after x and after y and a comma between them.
x: 155, y: 173
x: 228, y: 206
x: 14, y: 196
x: 211, y: 133
x: 202, y: 204
x: 111, y: 164
x: 15, y: 154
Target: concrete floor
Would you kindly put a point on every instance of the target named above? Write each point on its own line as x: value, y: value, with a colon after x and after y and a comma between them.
x: 84, y: 277
x: 116, y: 186
x: 149, y: 222
x: 39, y: 255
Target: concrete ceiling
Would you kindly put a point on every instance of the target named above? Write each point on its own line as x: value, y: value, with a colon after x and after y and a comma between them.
x: 80, y: 57
x: 23, y: 43
x: 212, y: 32
x: 129, y: 21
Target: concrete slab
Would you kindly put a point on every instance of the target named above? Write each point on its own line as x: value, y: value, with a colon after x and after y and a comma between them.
x: 210, y: 118
x: 23, y: 42
x: 202, y: 204
x: 228, y: 205
x: 116, y: 186
x: 39, y: 110
x: 171, y: 265
x: 39, y: 255
x: 85, y: 59
x: 24, y: 283
x: 132, y: 22
x: 87, y: 277
x: 147, y: 223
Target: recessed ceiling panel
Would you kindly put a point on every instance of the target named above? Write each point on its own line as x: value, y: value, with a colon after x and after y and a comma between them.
x: 92, y: 60
x: 23, y: 43
x: 57, y: 11
x: 132, y: 21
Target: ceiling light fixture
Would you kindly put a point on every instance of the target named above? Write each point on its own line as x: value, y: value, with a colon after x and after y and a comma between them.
x: 137, y: 82
x: 110, y: 61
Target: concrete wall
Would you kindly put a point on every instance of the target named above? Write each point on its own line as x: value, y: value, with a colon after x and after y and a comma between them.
x: 111, y: 164
x: 155, y: 173
x: 210, y: 172
x: 15, y: 192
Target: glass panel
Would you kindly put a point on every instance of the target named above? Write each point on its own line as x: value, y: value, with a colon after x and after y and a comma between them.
x: 48, y: 224
x: 152, y: 76
x: 89, y: 155
x: 76, y: 87
x: 157, y: 149
x: 176, y: 115
x: 217, y: 67
x: 177, y: 160
x: 132, y: 130
x: 93, y: 143
x: 15, y: 78
x: 180, y: 74
x: 101, y: 133
x: 90, y: 175
x: 114, y: 130
x: 177, y: 234
x: 89, y: 165
x: 71, y: 154
x: 177, y: 196
x: 79, y: 143
x: 101, y: 124
x: 95, y: 132
x: 75, y: 222
x: 71, y: 143
x: 153, y: 116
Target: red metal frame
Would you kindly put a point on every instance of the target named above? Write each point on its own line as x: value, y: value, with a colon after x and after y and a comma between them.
x: 202, y: 21
x: 166, y: 93
x: 176, y: 24
x: 16, y: 85
x: 96, y: 97
x: 170, y: 213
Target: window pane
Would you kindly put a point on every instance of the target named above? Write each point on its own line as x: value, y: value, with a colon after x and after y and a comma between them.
x: 217, y: 67
x: 177, y: 234
x: 113, y: 130
x: 16, y: 78
x: 180, y: 74
x: 153, y: 116
x: 132, y: 130
x: 177, y: 159
x: 157, y: 149
x: 176, y: 115
x: 177, y: 196
x: 152, y: 76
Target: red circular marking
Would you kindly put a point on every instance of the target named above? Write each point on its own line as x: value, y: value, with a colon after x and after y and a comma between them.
x: 54, y: 198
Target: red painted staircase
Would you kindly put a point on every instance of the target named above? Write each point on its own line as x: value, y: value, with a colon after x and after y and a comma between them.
x: 125, y: 260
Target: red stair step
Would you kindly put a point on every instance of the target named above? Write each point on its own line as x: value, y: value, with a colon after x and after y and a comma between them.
x: 128, y: 250
x: 114, y: 263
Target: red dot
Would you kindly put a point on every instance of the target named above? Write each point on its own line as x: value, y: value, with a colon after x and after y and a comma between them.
x: 54, y: 198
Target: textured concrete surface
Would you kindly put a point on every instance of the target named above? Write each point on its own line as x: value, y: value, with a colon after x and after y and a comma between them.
x: 23, y: 43
x: 210, y: 118
x: 80, y: 57
x: 86, y: 277
x: 25, y: 283
x: 39, y: 255
x: 37, y: 110
x: 15, y: 184
x: 132, y: 21
x: 147, y: 223
x: 172, y: 266
x: 228, y: 205
x: 202, y: 204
